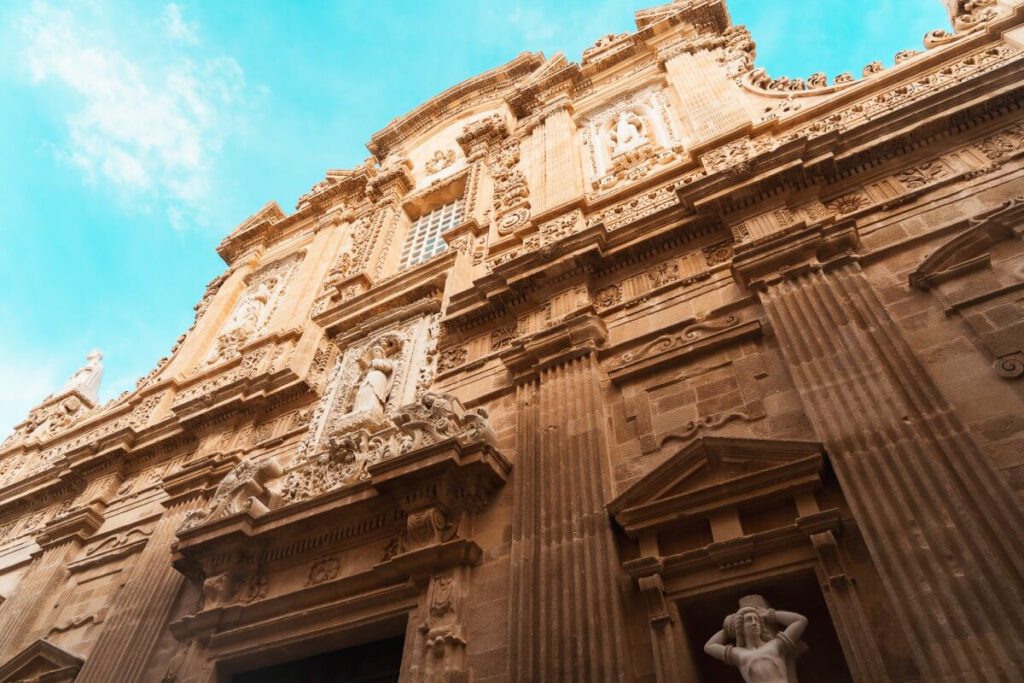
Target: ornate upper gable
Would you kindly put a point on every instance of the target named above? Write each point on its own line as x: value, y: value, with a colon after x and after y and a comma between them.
x: 451, y: 101
x: 41, y: 661
x: 712, y: 473
x: 251, y: 231
x: 710, y: 13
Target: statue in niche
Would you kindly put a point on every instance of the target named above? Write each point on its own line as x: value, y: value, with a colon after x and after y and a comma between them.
x: 86, y: 380
x: 375, y: 384
x: 627, y: 132
x: 761, y: 642
x: 244, y: 320
x: 247, y: 316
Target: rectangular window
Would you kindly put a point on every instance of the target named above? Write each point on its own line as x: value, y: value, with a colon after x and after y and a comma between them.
x: 424, y: 240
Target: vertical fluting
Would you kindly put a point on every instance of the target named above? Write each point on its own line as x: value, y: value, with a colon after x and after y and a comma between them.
x: 129, y: 635
x: 712, y: 103
x: 938, y: 520
x: 32, y: 595
x: 567, y: 621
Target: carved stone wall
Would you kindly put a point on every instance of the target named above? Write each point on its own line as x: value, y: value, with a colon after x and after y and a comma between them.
x: 700, y: 333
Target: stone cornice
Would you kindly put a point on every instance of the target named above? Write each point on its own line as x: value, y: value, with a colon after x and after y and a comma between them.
x: 253, y: 231
x: 448, y: 103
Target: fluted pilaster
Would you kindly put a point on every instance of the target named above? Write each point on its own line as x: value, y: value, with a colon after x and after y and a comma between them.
x: 566, y: 615
x: 711, y: 101
x: 30, y: 599
x: 942, y: 526
x: 144, y: 605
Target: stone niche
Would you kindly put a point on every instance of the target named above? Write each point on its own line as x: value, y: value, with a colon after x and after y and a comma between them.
x: 724, y: 518
x: 393, y: 364
x: 630, y: 139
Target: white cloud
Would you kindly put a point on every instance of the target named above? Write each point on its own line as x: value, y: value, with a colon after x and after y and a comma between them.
x: 149, y: 124
x: 177, y: 27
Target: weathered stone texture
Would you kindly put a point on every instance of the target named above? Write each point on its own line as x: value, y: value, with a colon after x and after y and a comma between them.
x: 698, y: 335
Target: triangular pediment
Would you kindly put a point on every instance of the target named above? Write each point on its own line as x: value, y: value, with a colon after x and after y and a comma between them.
x: 970, y: 248
x: 713, y: 472
x: 42, y: 660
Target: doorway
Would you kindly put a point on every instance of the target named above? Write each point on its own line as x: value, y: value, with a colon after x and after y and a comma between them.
x: 379, y: 661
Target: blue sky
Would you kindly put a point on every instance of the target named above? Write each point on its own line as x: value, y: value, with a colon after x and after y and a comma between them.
x: 134, y: 136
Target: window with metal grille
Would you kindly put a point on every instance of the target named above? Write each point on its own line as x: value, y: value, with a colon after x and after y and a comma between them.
x: 424, y: 240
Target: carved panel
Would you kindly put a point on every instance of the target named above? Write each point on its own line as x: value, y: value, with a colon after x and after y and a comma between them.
x: 251, y: 315
x: 630, y: 139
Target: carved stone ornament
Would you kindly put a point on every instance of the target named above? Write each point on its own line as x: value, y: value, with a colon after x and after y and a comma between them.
x: 511, y: 193
x: 431, y: 419
x: 243, y: 488
x: 251, y: 314
x: 761, y: 642
x: 630, y: 139
x: 366, y: 386
x: 440, y: 161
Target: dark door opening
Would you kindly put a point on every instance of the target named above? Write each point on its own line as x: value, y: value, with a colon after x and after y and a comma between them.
x: 377, y: 662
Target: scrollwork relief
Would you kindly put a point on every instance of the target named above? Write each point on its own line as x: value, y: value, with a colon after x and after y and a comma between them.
x: 431, y: 419
x: 511, y: 193
x: 242, y: 489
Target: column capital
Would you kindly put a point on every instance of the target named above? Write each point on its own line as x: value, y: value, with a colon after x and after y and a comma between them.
x: 794, y: 251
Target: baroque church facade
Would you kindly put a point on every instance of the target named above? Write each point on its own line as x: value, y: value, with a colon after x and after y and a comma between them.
x: 647, y: 368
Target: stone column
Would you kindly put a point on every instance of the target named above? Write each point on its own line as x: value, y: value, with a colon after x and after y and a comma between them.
x: 144, y: 605
x: 846, y: 608
x: 711, y: 102
x: 566, y: 616
x: 941, y: 525
x: 46, y: 575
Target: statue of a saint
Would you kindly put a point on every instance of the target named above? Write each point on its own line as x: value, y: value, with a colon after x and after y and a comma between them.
x: 375, y: 385
x: 627, y: 134
x: 87, y: 379
x: 766, y: 642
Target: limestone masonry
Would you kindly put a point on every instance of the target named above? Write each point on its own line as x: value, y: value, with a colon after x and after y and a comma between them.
x: 648, y: 368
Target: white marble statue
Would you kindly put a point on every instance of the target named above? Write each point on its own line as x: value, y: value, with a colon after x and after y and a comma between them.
x: 87, y: 379
x: 766, y: 642
x: 627, y: 132
x: 375, y: 385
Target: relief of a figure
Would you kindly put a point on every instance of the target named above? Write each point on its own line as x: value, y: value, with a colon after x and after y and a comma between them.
x: 375, y: 384
x: 627, y: 133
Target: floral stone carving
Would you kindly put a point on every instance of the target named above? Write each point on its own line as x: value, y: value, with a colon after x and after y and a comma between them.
x: 431, y: 419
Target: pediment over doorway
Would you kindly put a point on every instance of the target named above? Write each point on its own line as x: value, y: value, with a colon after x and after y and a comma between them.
x: 713, y: 473
x: 41, y: 662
